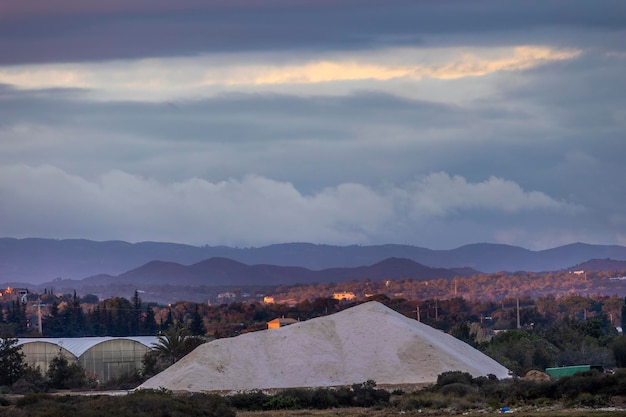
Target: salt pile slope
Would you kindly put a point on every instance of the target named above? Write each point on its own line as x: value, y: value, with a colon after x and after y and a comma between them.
x: 366, y: 342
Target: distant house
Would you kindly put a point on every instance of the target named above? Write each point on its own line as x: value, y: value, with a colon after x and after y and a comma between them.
x: 11, y: 294
x: 268, y: 299
x: 347, y: 296
x: 226, y: 296
x: 282, y: 322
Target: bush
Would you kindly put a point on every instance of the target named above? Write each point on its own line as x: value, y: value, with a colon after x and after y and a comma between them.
x: 366, y: 394
x: 65, y: 375
x: 422, y: 399
x: 324, y: 398
x: 250, y: 401
x: 457, y: 389
x: 589, y: 400
x: 303, y: 397
x: 278, y: 402
x: 142, y: 403
x: 452, y: 377
x: 124, y: 382
x: 360, y: 395
x: 30, y: 399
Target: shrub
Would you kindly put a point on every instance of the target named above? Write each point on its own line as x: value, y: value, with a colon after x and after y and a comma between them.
x: 64, y: 375
x: 250, y: 401
x: 30, y: 399
x: 324, y: 398
x: 366, y: 394
x: 124, y: 382
x: 278, y: 402
x: 589, y: 400
x: 451, y: 377
x: 422, y: 399
x: 302, y: 396
x: 457, y: 389
x: 142, y: 403
x: 344, y: 396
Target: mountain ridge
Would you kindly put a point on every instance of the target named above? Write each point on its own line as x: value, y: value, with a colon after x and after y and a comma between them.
x: 223, y: 271
x: 38, y: 260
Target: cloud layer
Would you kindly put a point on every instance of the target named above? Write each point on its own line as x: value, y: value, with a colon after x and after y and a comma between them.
x: 252, y: 210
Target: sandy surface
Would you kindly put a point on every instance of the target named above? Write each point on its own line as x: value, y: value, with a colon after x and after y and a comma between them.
x: 366, y: 342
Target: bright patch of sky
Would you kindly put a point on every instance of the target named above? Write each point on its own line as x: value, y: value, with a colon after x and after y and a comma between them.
x: 179, y: 78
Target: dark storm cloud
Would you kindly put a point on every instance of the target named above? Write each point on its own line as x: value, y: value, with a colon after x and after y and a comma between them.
x: 34, y: 31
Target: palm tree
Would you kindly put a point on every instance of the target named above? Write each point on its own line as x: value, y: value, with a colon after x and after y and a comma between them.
x: 175, y: 342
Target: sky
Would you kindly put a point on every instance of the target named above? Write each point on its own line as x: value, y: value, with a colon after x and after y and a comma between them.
x: 434, y: 123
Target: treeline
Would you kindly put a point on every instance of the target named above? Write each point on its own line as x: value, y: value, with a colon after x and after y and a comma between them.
x: 73, y: 316
x: 485, y: 286
x: 112, y: 317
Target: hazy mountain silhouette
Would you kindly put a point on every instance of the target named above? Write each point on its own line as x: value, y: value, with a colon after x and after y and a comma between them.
x: 222, y: 271
x: 596, y: 265
x: 37, y: 260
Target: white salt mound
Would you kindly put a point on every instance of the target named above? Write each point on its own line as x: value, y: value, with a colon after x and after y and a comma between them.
x: 366, y: 342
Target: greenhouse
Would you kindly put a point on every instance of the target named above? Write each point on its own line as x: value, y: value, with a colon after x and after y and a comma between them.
x: 105, y: 357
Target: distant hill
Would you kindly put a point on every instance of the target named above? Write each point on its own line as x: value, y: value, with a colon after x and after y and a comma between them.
x: 35, y: 260
x: 597, y: 265
x: 222, y: 271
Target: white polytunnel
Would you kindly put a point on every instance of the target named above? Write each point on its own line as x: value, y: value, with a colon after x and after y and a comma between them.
x: 106, y: 358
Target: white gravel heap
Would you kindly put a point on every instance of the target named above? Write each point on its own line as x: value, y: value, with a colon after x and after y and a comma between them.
x: 366, y: 342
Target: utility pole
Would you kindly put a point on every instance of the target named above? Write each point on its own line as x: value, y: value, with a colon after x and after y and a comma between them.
x: 518, y: 323
x: 39, y: 315
x: 418, y: 313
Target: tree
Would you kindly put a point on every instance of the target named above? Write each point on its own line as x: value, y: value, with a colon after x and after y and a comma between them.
x: 73, y: 319
x: 12, y: 365
x: 150, y: 326
x: 619, y: 351
x: 120, y: 316
x: 169, y: 321
x: 197, y: 327
x: 175, y: 342
x: 52, y: 322
x: 624, y: 315
x: 64, y: 375
x: 136, y: 316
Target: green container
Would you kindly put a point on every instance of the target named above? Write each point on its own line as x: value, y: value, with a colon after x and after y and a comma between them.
x: 562, y: 371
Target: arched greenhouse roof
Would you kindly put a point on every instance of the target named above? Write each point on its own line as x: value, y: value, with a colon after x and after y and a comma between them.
x: 77, y: 346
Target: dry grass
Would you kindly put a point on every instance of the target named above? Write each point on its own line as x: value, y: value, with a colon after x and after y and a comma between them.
x: 337, y: 412
x: 369, y: 412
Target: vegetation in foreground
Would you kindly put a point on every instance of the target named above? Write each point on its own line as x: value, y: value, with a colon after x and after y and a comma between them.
x: 138, y: 404
x: 454, y: 393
